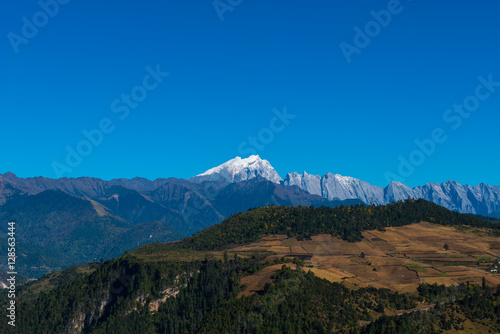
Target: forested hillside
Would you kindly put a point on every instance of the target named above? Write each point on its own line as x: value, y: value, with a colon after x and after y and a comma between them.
x: 55, y: 230
x: 195, y: 286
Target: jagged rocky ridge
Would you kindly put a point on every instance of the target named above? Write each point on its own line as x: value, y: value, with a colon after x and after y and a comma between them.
x: 482, y: 199
x: 200, y: 191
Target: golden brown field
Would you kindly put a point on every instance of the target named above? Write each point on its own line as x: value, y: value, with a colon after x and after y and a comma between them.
x: 399, y: 258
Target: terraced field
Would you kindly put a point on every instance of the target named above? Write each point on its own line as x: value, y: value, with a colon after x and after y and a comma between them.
x: 399, y: 258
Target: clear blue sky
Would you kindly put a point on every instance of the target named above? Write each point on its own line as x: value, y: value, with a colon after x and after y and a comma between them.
x: 226, y: 77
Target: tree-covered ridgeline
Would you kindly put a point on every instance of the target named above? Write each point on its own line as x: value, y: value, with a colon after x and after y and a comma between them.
x: 346, y: 222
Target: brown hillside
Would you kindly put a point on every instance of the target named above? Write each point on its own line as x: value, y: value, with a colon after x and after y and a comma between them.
x: 399, y: 258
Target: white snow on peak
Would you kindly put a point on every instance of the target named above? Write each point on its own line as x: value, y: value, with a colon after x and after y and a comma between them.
x: 396, y: 183
x: 235, y: 164
x: 238, y: 169
x: 345, y: 180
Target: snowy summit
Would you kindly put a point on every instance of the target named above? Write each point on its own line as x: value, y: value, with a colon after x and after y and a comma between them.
x: 238, y: 169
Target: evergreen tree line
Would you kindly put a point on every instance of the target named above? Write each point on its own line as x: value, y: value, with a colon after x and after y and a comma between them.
x: 346, y: 222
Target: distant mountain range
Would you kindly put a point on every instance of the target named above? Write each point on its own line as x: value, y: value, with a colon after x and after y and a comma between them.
x: 482, y: 199
x: 71, y: 221
x: 67, y: 221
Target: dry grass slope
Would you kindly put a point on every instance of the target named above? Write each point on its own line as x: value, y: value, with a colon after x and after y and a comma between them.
x: 399, y: 258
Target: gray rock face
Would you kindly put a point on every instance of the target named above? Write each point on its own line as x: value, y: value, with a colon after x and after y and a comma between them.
x: 482, y: 199
x: 336, y: 187
x: 397, y: 191
x: 308, y: 182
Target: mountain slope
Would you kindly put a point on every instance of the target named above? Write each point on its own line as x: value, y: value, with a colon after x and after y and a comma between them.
x: 137, y: 208
x: 140, y: 184
x: 193, y: 201
x: 336, y: 187
x: 55, y: 230
x: 259, y: 192
x: 83, y: 187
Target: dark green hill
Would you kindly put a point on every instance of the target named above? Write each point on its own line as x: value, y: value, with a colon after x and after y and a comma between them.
x: 187, y: 287
x: 136, y: 209
x: 55, y: 230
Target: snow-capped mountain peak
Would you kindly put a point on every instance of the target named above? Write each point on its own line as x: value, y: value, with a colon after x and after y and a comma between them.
x: 238, y: 169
